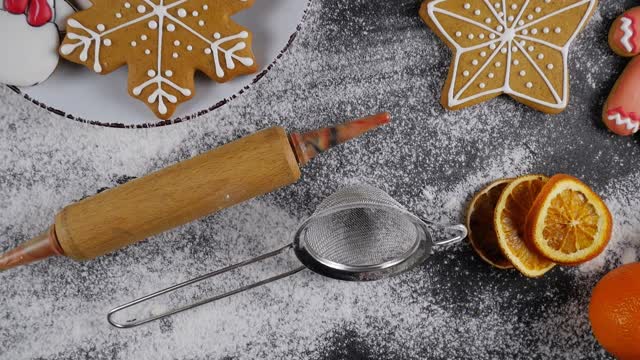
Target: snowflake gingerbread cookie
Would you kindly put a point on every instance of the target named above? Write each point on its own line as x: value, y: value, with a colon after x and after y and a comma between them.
x: 163, y: 42
x: 29, y: 37
x: 514, y: 47
x: 622, y: 109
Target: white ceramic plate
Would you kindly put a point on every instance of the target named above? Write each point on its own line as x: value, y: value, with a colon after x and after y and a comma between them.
x: 77, y: 93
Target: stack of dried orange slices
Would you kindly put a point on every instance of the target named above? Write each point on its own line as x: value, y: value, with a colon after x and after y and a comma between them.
x: 534, y: 222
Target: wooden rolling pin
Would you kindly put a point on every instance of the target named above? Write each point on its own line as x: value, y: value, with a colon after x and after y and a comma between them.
x: 235, y: 172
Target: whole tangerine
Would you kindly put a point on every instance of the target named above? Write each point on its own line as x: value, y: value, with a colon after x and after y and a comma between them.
x: 614, y: 311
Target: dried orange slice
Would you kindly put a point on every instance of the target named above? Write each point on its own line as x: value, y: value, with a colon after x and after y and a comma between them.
x: 482, y: 232
x: 569, y: 223
x: 510, y: 217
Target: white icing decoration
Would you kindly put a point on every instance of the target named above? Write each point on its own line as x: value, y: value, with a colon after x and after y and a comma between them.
x: 534, y: 31
x: 514, y: 6
x: 156, y: 18
x: 118, y: 15
x: 483, y: 54
x: 510, y: 18
x: 487, y: 20
x: 182, y: 12
x: 143, y: 37
x: 482, y: 85
x: 491, y: 75
x: 470, y: 36
x: 151, y: 73
x: 523, y: 73
x: 538, y: 9
x: 550, y: 66
x: 516, y: 62
x: 168, y: 73
x: 106, y: 42
x: 29, y: 53
x: 147, y: 51
x: 477, y: 13
x: 133, y: 43
x: 100, y: 27
x: 530, y: 17
x: 474, y: 62
x: 525, y: 32
x: 545, y: 30
x: 540, y: 56
x: 498, y: 64
x: 628, y: 33
x: 176, y: 42
x: 141, y: 9
x: 557, y: 30
x: 205, y: 7
x: 458, y: 33
x: 201, y: 22
x: 467, y: 6
x: 465, y: 73
x: 194, y: 13
x: 628, y: 122
x: 529, y: 85
x: 504, y: 50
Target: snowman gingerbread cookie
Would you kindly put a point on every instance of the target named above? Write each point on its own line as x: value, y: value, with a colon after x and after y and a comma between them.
x: 29, y: 33
x: 514, y: 47
x: 163, y: 43
x: 621, y: 112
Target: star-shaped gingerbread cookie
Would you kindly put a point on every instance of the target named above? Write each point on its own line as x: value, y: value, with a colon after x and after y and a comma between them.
x: 514, y: 47
x: 163, y: 43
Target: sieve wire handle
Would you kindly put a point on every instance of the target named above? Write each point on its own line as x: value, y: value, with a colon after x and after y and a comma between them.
x: 460, y: 229
x: 135, y: 322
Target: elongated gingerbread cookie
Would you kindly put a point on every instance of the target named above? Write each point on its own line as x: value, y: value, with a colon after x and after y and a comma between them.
x: 514, y: 47
x: 163, y: 43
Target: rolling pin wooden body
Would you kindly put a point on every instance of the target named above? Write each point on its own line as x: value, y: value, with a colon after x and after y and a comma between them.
x: 176, y: 195
x: 235, y: 172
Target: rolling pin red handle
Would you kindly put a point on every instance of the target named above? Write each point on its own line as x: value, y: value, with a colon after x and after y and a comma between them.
x: 38, y: 248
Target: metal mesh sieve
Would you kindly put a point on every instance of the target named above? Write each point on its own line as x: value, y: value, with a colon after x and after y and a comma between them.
x: 359, y: 233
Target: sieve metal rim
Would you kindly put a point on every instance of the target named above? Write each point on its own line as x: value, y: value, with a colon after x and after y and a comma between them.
x: 419, y: 252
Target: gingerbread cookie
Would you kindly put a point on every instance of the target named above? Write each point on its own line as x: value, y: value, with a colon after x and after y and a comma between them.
x: 514, y: 47
x: 621, y: 113
x: 29, y: 38
x: 624, y: 36
x: 163, y: 43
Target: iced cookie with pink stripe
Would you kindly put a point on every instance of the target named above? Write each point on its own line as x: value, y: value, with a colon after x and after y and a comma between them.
x: 624, y: 36
x: 622, y: 110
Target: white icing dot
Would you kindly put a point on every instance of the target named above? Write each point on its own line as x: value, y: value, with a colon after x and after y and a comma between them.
x: 147, y: 51
x: 492, y: 36
x: 168, y: 73
x: 538, y: 9
x: 514, y: 6
x: 189, y: 47
x: 482, y: 85
x: 153, y: 25
x: 525, y: 32
x: 467, y: 6
x: 127, y: 5
x: 194, y: 13
x: 514, y: 49
x: 207, y: 51
x: 143, y: 37
x: 483, y: 54
x: 474, y: 62
x: 547, y: 1
x: 557, y: 30
x: 100, y: 27
x: 477, y: 12
x: 523, y: 73
x: 503, y: 50
x: 175, y: 55
x: 545, y: 30
x: 499, y: 28
x: 217, y: 35
x: 530, y: 48
x: 491, y: 75
x: 540, y: 56
x: 481, y: 36
x: 529, y: 85
x: 176, y: 43
x: 492, y: 46
x: 141, y: 9
x: 516, y: 62
x: 497, y: 5
x: 133, y: 43
x: 205, y: 7
x: 522, y: 42
x: 521, y: 22
x: 501, y: 14
x: 151, y: 73
x: 498, y: 64
x: 458, y: 34
x: 106, y: 42
x: 182, y: 12
x: 465, y: 73
x: 487, y: 20
x: 171, y: 28
x: 470, y: 36
x: 510, y: 18
x: 530, y: 17
x: 118, y: 15
x: 201, y: 22
x: 534, y: 31
x: 550, y: 66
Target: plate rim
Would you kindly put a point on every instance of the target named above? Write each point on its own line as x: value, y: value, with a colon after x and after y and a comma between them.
x: 178, y: 119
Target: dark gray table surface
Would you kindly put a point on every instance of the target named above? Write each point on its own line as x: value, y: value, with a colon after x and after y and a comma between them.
x: 350, y: 58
